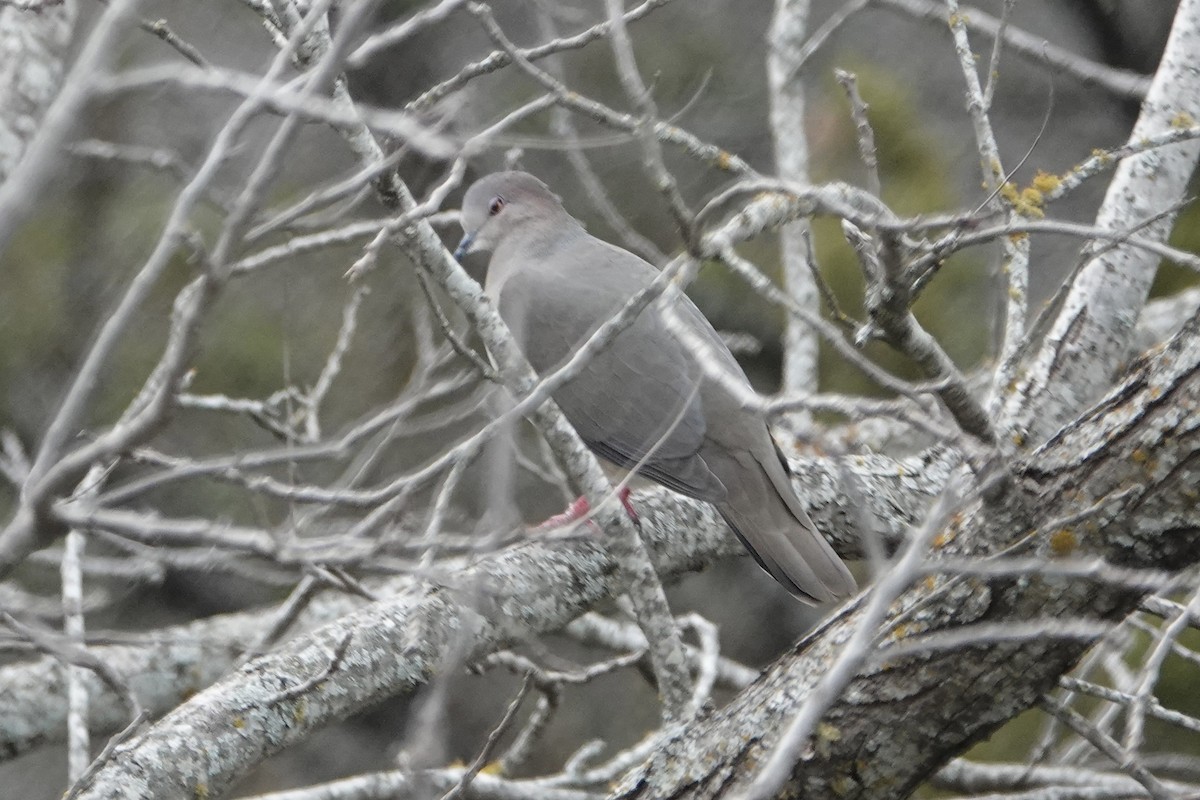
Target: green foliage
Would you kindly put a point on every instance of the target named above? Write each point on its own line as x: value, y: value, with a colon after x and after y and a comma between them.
x: 914, y: 178
x: 33, y: 300
x: 1173, y: 278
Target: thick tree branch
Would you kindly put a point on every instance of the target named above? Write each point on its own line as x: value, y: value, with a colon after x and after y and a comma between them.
x: 1091, y: 333
x: 24, y: 178
x: 1153, y: 525
x: 1118, y: 483
x: 177, y: 662
x: 788, y: 34
x: 969, y: 640
x: 32, y: 48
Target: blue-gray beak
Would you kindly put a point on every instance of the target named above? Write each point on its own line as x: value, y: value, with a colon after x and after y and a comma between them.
x: 463, y: 246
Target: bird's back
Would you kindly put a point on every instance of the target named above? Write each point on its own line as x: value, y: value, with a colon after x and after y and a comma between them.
x: 647, y: 400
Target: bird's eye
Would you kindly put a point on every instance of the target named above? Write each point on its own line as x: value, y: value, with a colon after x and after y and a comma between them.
x: 495, y: 206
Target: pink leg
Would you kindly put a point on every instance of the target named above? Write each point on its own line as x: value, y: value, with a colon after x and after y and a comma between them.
x: 629, y: 509
x: 580, y: 508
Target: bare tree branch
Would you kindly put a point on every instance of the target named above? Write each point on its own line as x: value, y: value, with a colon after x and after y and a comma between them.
x: 1091, y: 332
x: 913, y: 712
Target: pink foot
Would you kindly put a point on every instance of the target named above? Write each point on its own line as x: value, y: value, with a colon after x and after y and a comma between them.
x: 629, y: 509
x: 575, y: 512
x: 580, y: 508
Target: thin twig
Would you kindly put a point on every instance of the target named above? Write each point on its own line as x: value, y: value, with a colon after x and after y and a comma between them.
x: 335, y: 661
x: 503, y: 57
x: 462, y: 348
x: 1109, y: 747
x: 464, y: 783
x: 993, y: 71
x: 862, y: 125
x: 160, y: 29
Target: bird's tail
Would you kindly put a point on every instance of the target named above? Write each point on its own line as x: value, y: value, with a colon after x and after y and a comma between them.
x: 770, y: 522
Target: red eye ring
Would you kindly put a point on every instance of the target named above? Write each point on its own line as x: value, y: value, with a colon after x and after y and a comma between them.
x: 495, y: 206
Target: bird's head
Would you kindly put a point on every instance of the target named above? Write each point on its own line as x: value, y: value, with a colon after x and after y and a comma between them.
x: 500, y: 203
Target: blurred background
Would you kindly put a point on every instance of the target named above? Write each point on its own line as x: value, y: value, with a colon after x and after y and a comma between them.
x: 95, y: 224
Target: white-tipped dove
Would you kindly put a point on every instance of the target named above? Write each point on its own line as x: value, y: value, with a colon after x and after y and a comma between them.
x: 645, y: 400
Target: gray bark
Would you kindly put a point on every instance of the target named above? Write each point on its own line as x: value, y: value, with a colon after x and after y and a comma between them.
x: 1116, y: 484
x: 910, y: 713
x: 177, y: 662
x: 33, y: 45
x: 1089, y: 337
x: 1131, y: 460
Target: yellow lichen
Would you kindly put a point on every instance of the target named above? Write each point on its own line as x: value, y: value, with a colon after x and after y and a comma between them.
x: 1063, y: 542
x: 201, y: 791
x: 828, y: 733
x: 239, y: 722
x: 1183, y: 120
x: 724, y: 160
x: 841, y: 785
x: 1046, y: 182
x: 1140, y: 456
x: 946, y: 536
x: 1028, y: 203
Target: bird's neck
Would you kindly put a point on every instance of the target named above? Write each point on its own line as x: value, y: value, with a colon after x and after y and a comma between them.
x: 533, y: 242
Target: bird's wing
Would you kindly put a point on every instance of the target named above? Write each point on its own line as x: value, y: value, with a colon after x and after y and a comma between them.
x: 637, y: 401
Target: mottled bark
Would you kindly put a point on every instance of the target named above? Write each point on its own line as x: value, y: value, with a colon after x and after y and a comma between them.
x: 1115, y: 484
x: 1119, y: 483
x: 788, y: 35
x: 177, y: 662
x: 1090, y: 335
x: 1131, y: 461
x: 33, y: 46
x: 27, y: 174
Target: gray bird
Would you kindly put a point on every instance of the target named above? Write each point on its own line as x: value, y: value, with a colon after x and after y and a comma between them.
x: 644, y: 402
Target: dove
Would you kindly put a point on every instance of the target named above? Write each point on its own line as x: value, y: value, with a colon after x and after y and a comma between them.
x: 645, y: 403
